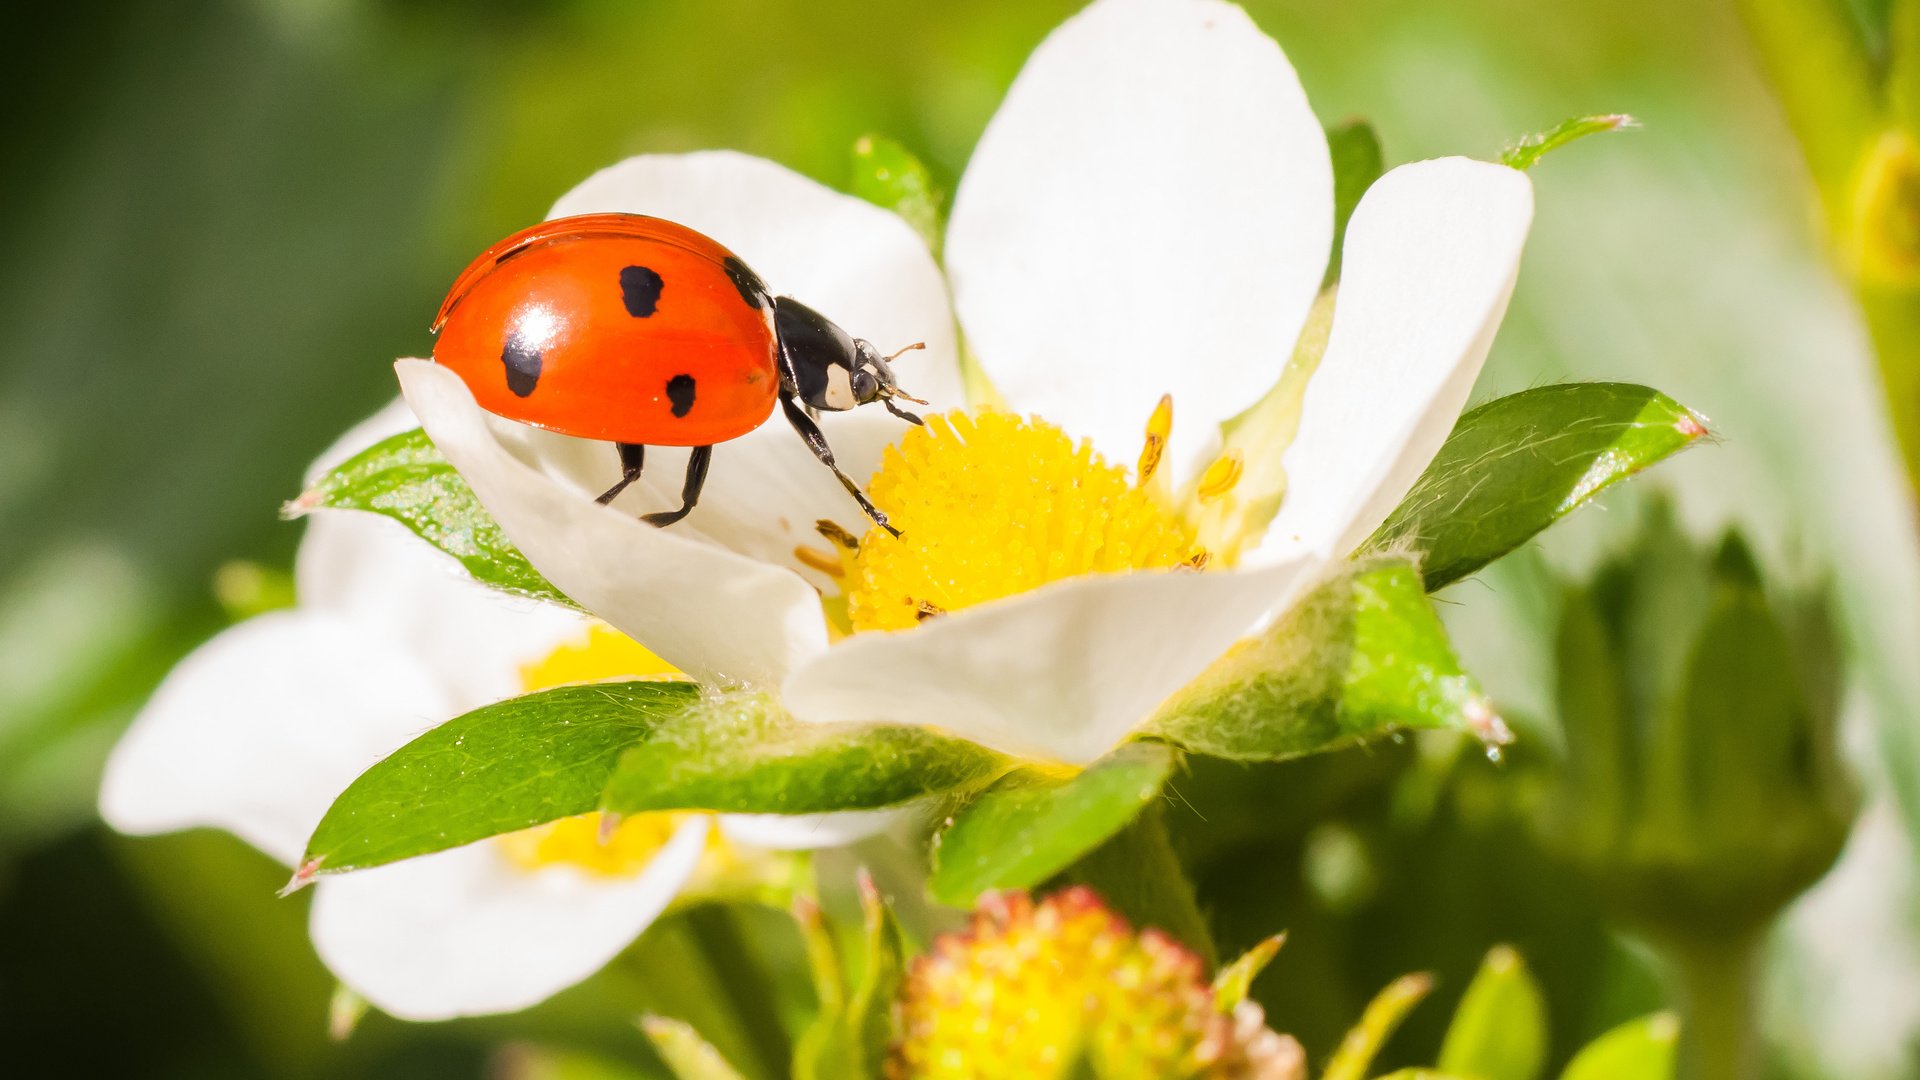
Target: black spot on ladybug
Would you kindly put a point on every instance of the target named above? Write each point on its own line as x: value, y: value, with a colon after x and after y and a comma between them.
x: 523, y: 365
x: 752, y: 289
x: 640, y: 290
x: 680, y: 392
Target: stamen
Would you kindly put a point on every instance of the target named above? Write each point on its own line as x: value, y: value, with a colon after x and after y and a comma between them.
x: 1222, y: 475
x: 819, y: 560
x: 991, y: 505
x: 1159, y: 427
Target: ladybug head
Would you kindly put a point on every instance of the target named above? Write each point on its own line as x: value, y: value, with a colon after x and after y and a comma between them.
x: 832, y: 369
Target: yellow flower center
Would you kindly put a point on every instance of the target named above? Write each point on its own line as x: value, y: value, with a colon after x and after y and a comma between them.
x: 993, y: 504
x: 1030, y: 988
x: 600, y: 653
x: 581, y: 841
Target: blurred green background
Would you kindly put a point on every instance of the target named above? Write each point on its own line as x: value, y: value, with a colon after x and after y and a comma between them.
x: 223, y: 219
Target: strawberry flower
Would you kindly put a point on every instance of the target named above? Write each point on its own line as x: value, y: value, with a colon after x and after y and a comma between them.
x: 261, y: 728
x: 1147, y: 218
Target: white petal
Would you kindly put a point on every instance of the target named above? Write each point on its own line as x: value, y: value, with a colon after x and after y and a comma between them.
x: 807, y: 832
x: 719, y: 617
x: 1062, y: 672
x: 466, y: 932
x: 1431, y: 256
x: 1149, y: 212
x: 473, y: 639
x: 259, y: 729
x: 859, y: 265
x: 388, y: 422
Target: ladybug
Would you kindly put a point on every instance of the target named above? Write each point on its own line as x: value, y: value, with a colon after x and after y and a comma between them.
x: 638, y: 331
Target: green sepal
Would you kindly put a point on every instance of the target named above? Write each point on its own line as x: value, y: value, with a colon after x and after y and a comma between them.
x: 1640, y: 1049
x: 1523, y: 154
x: 740, y: 753
x: 1499, y: 1030
x: 1362, y: 654
x: 870, y: 1013
x: 1030, y: 824
x: 829, y: 1048
x: 407, y: 479
x: 512, y: 765
x: 1376, y: 1026
x: 887, y: 174
x: 1231, y: 985
x: 684, y: 1051
x: 1357, y: 162
x: 1518, y: 464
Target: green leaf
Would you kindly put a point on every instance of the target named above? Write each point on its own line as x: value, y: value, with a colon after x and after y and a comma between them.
x: 1499, y: 1031
x: 1357, y: 163
x: 408, y: 480
x: 1030, y: 825
x: 1362, y: 654
x: 1640, y: 1049
x: 1138, y: 874
x: 740, y: 753
x: 886, y: 174
x: 1376, y: 1026
x: 1524, y: 153
x: 511, y: 765
x: 870, y: 1013
x: 685, y: 1052
x: 1518, y: 464
x: 1230, y: 987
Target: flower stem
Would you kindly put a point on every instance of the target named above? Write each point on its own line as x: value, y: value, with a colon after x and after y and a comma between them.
x: 1717, y: 979
x: 1138, y: 874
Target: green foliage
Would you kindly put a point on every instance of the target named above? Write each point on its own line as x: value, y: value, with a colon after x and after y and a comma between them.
x: 1362, y: 654
x: 870, y: 1013
x: 1357, y: 162
x: 1030, y: 825
x: 830, y: 1048
x: 512, y: 765
x: 406, y: 478
x: 1518, y: 464
x: 1499, y: 1030
x: 849, y: 1037
x: 1376, y: 1026
x: 685, y: 1052
x: 887, y: 174
x: 741, y: 753
x: 1231, y: 985
x: 1523, y: 154
x: 1640, y: 1049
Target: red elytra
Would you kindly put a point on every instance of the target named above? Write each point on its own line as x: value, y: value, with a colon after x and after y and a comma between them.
x: 640, y: 332
x: 546, y: 328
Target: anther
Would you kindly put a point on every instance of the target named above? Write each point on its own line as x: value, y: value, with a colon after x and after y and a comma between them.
x: 1222, y: 475
x: 832, y: 531
x: 1159, y: 427
x: 816, y: 560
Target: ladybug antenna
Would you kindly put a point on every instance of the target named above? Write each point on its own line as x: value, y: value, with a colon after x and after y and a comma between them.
x: 896, y: 392
x: 908, y: 349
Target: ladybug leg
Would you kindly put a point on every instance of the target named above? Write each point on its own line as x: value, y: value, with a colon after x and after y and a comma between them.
x: 632, y: 456
x: 697, y: 462
x: 817, y: 442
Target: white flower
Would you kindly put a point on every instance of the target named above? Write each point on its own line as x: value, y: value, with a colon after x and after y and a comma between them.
x: 1149, y: 212
x: 262, y: 727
